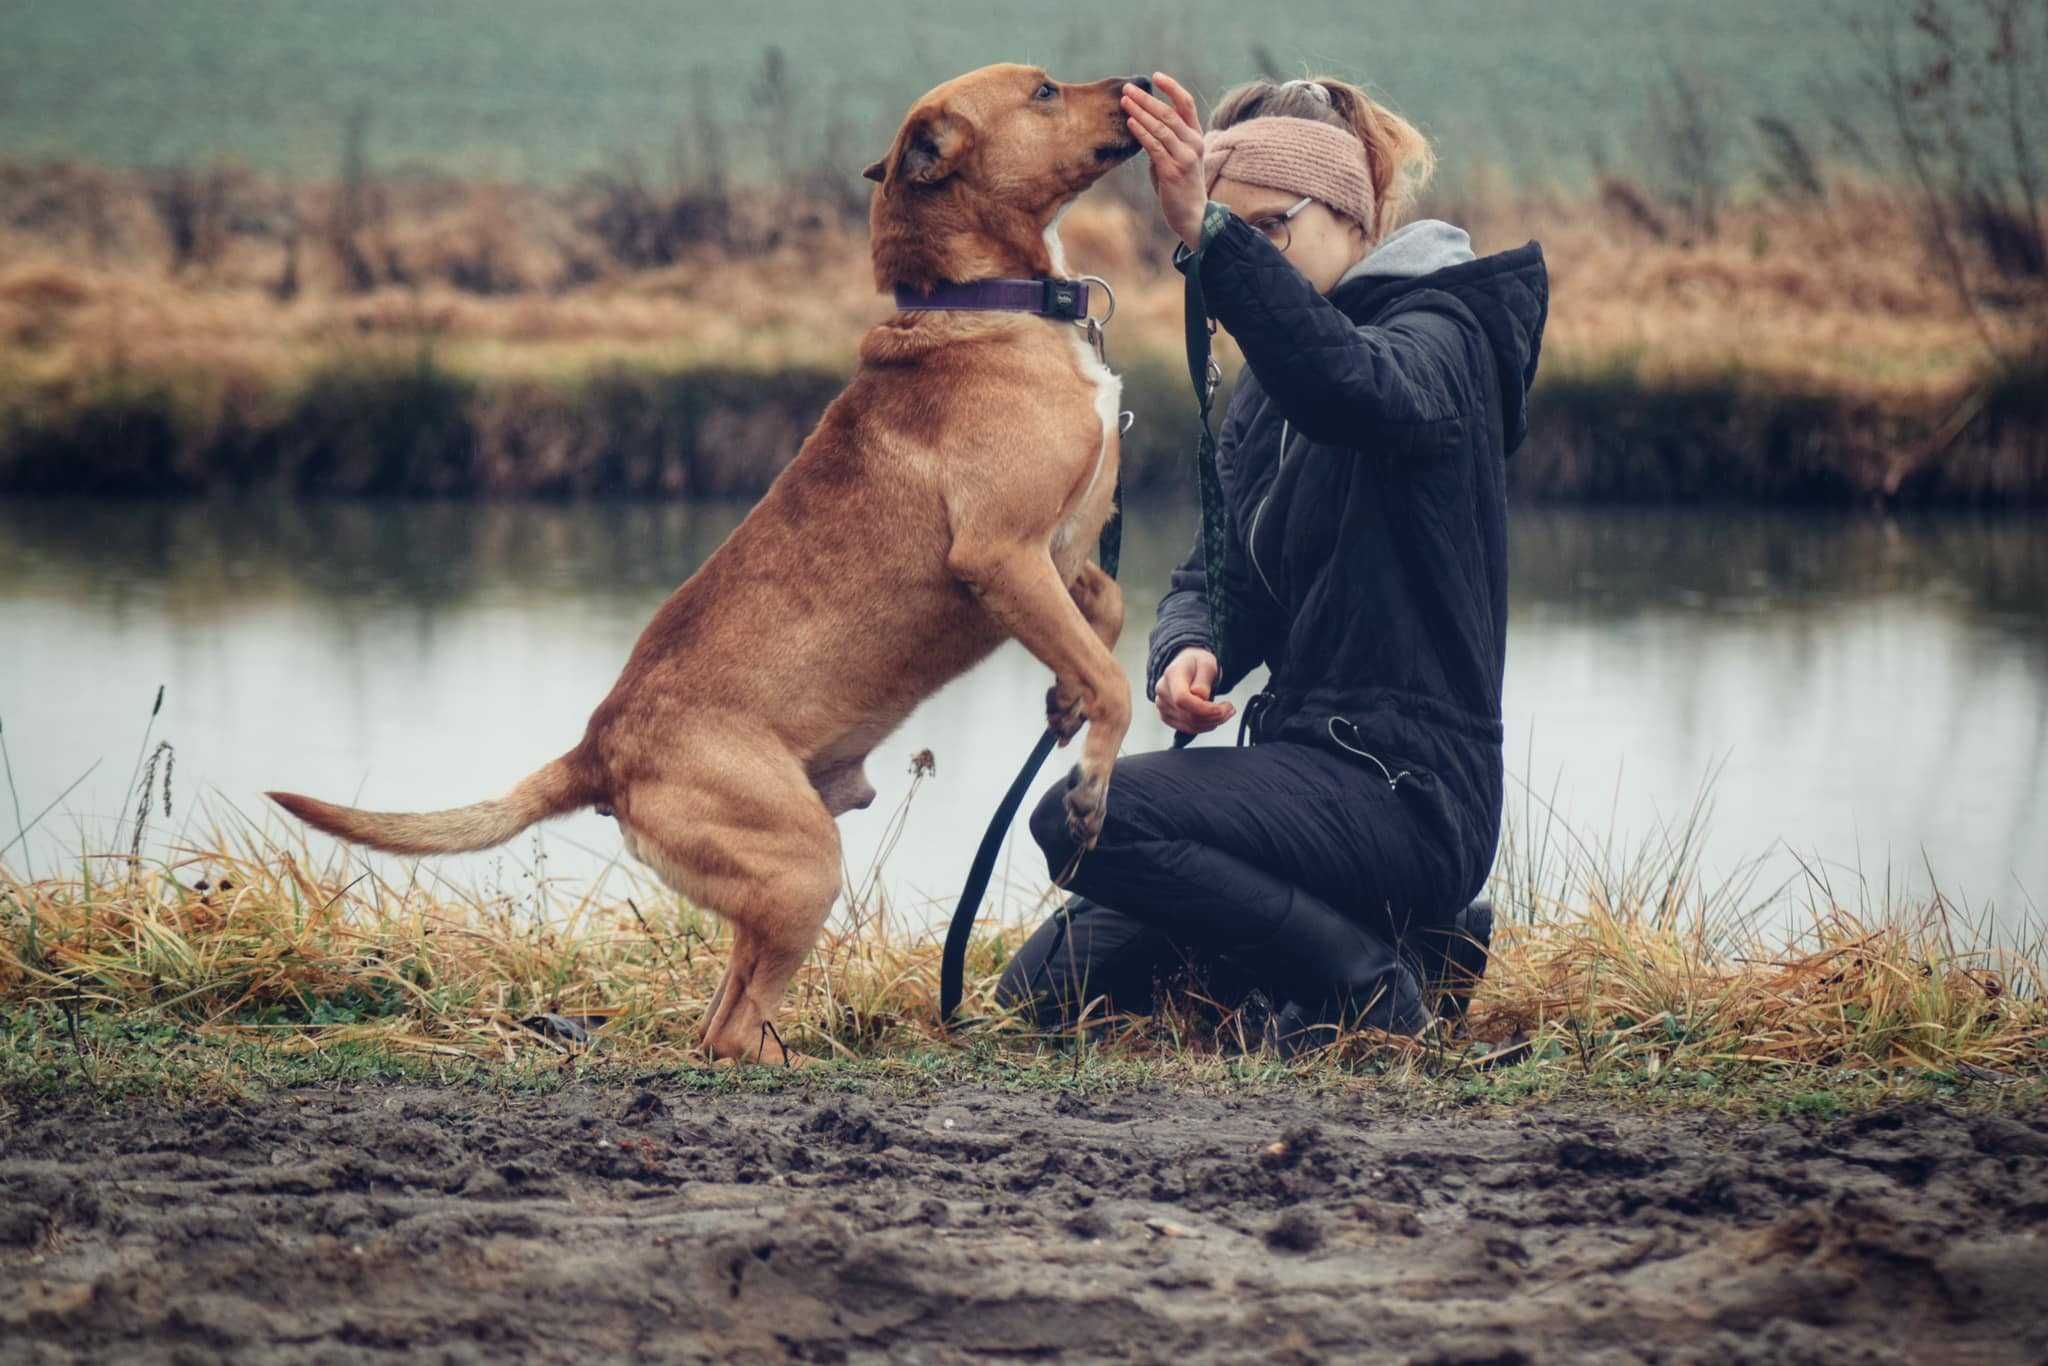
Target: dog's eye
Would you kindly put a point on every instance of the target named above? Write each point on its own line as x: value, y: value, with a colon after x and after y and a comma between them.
x: 1046, y: 91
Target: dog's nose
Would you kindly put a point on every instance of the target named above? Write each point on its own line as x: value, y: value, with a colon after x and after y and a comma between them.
x: 1143, y: 83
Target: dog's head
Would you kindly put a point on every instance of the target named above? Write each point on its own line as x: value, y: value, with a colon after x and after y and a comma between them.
x: 982, y: 166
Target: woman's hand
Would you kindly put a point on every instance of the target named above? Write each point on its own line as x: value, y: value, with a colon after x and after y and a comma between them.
x: 1171, y: 135
x: 1185, y: 690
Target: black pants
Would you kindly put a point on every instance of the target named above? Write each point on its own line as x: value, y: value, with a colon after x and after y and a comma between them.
x: 1297, y: 870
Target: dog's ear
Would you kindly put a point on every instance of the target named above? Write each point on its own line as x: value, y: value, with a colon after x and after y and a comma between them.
x: 930, y: 148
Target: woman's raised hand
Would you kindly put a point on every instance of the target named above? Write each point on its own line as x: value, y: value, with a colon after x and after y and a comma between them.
x: 1185, y: 692
x: 1171, y: 135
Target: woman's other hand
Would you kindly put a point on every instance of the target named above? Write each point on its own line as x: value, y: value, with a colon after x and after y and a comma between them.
x: 1171, y: 135
x: 1185, y: 691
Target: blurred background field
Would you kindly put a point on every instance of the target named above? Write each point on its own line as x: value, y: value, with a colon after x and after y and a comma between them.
x: 539, y: 92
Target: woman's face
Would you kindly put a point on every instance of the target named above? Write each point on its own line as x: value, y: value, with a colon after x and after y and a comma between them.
x: 1322, y: 244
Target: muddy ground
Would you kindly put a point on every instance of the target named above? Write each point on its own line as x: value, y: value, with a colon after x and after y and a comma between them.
x: 604, y: 1223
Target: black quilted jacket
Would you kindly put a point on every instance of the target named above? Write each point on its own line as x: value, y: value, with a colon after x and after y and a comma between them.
x: 1362, y: 456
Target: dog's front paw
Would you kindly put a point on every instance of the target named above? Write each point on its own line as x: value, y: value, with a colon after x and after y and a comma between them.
x: 1087, y: 802
x: 1063, y: 716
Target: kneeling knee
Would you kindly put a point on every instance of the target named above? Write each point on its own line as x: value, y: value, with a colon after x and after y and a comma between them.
x: 1049, y: 826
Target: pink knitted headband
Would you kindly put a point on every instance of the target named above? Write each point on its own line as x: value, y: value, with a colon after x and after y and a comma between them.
x: 1300, y: 156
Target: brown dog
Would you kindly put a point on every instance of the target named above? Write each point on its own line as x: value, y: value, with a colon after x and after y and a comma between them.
x: 948, y: 498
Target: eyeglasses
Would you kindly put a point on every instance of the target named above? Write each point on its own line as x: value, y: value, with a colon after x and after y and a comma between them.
x: 1276, y: 225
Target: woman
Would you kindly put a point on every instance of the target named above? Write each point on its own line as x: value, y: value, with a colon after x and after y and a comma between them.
x: 1328, y: 860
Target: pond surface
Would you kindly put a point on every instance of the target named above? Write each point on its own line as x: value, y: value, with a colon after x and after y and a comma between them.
x: 1868, y: 697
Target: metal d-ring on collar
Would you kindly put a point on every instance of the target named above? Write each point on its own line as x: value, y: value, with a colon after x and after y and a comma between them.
x: 1092, y: 328
x: 1107, y: 293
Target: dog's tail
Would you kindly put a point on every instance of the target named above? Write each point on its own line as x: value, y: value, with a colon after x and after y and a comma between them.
x: 556, y: 788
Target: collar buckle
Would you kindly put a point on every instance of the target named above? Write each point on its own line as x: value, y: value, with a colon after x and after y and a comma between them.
x: 1065, y: 299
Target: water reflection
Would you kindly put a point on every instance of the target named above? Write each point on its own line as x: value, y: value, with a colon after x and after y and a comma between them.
x: 1876, y: 692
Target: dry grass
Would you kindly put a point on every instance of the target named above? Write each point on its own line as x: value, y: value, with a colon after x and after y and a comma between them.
x: 234, y: 277
x: 1607, y: 966
x: 502, y: 340
x: 509, y: 341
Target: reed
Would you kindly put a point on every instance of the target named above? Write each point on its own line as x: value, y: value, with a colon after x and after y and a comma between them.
x: 1621, y: 966
x: 516, y: 341
x: 1833, y: 286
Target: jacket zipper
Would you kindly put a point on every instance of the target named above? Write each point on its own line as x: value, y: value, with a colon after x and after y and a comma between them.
x: 1251, y: 540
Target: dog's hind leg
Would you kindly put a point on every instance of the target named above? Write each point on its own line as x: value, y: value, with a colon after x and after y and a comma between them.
x: 744, y: 1027
x: 738, y: 829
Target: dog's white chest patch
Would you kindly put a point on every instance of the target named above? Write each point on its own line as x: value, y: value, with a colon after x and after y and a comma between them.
x: 1053, y: 247
x: 1108, y: 391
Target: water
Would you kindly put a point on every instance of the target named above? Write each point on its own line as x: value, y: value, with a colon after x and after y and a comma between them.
x: 1872, y: 694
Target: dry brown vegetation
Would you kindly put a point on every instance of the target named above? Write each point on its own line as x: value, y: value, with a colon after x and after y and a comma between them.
x: 235, y: 276
x: 179, y: 333
x: 1608, y: 964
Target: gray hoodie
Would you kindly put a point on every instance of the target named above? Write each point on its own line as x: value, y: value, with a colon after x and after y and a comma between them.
x: 1418, y: 248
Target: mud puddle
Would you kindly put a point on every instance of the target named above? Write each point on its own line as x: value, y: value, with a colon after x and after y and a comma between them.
x: 604, y: 1223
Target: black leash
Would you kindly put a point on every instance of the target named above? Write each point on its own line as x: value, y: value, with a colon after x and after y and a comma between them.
x: 953, y: 966
x: 1203, y: 373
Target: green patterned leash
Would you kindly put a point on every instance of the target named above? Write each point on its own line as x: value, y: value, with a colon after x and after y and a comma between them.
x: 1205, y: 374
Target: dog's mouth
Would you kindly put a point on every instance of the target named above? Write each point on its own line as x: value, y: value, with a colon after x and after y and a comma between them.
x: 1111, y: 153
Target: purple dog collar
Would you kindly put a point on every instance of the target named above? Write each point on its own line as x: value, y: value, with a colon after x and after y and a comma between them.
x: 1051, y: 298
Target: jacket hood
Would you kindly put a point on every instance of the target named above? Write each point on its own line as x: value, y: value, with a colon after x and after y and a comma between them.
x: 1417, y: 248
x: 1509, y: 292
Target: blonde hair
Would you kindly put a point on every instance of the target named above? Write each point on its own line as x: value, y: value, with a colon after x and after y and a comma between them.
x: 1397, y: 156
